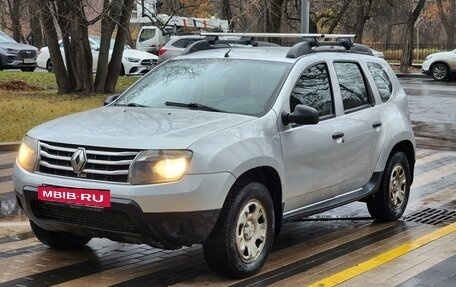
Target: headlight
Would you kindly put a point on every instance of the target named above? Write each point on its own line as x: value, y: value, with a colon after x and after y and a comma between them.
x: 158, y: 166
x: 12, y: 50
x: 27, y: 155
x: 133, y: 60
x: 428, y: 58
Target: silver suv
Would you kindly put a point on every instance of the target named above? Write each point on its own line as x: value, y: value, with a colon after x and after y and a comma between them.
x: 221, y: 146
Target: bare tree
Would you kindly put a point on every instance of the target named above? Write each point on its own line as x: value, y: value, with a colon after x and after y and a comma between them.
x: 406, y: 59
x: 362, y: 15
x: 15, y: 13
x: 47, y: 18
x: 111, y: 15
x: 121, y: 38
x: 449, y: 22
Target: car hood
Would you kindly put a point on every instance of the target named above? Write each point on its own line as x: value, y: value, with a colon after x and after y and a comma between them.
x: 442, y: 54
x: 18, y: 46
x: 138, y: 54
x: 136, y: 128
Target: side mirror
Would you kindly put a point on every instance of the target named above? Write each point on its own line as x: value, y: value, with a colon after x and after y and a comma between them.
x: 110, y: 99
x: 302, y: 115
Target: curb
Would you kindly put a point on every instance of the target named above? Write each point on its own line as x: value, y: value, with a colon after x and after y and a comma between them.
x: 9, y: 146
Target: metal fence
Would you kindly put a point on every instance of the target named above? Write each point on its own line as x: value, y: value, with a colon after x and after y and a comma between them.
x: 393, y: 52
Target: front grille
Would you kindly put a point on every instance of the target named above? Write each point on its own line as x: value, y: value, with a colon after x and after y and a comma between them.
x: 27, y: 54
x: 103, y: 219
x: 149, y: 62
x: 104, y: 164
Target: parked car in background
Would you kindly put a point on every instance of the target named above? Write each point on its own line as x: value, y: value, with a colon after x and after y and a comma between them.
x: 14, y: 55
x: 377, y: 53
x: 441, y: 66
x: 176, y: 45
x: 134, y: 62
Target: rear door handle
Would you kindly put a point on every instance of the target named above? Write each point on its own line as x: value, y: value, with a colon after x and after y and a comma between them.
x: 376, y: 125
x: 338, y: 135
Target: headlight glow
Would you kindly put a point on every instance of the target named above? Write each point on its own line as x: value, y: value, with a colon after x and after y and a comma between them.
x: 27, y: 154
x: 159, y: 166
x: 133, y: 60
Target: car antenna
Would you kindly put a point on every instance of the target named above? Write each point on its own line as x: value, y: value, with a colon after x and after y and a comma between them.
x: 227, y: 54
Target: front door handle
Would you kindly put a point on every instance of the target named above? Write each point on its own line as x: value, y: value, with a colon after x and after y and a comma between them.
x: 338, y: 135
x: 376, y: 125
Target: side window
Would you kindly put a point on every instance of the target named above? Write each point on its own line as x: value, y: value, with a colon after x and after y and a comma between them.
x: 313, y: 89
x: 352, y: 85
x: 382, y: 81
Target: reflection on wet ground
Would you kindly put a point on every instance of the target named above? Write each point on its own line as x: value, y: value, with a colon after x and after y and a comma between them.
x: 9, y: 207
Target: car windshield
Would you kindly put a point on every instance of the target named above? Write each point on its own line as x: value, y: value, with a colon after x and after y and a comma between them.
x: 6, y: 39
x: 222, y: 85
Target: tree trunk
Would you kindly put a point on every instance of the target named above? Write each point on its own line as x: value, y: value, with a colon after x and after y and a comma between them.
x: 448, y: 22
x: 61, y: 76
x: 35, y: 37
x: 78, y: 53
x: 225, y: 7
x: 406, y: 59
x: 15, y: 12
x: 276, y: 18
x: 121, y: 38
x: 362, y: 15
x: 339, y: 16
x: 108, y: 23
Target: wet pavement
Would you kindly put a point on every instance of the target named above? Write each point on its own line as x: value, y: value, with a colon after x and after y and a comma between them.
x: 305, y: 252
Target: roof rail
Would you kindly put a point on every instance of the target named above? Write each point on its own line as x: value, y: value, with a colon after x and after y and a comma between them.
x: 280, y: 35
x: 214, y: 41
x: 310, y: 43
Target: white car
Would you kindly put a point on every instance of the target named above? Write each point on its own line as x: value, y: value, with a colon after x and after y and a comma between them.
x: 441, y: 66
x: 134, y: 62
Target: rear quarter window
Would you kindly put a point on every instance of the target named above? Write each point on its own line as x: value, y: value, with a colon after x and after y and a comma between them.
x: 382, y: 81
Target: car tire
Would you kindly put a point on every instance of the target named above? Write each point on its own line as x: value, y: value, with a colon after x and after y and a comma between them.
x: 390, y: 201
x: 440, y: 71
x: 242, y: 238
x: 59, y: 240
x: 49, y: 67
x: 28, y: 69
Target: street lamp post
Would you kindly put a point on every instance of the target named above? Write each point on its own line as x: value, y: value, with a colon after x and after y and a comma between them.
x: 305, y: 11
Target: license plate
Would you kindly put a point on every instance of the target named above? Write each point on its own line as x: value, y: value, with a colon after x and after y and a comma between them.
x: 29, y: 61
x: 75, y: 196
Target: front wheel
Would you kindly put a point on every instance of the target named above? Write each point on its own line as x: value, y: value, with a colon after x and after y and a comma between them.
x: 59, y: 240
x: 390, y: 201
x: 440, y: 72
x: 242, y: 238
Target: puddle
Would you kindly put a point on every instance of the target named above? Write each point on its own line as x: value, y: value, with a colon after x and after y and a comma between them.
x: 9, y: 208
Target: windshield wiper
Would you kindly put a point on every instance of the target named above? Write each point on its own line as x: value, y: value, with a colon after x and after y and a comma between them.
x: 193, y: 106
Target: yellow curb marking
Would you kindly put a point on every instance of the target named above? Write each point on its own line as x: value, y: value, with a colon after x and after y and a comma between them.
x: 381, y: 259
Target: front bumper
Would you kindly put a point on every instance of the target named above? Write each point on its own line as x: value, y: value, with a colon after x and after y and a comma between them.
x: 124, y: 221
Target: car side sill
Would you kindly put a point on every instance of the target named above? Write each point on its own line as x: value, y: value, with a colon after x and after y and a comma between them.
x: 370, y: 188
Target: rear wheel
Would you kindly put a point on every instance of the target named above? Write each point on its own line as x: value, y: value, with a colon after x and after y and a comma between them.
x: 440, y: 72
x: 49, y: 66
x: 390, y: 201
x: 59, y: 240
x: 241, y: 241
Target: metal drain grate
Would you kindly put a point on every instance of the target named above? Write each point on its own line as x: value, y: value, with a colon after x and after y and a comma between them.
x: 433, y: 216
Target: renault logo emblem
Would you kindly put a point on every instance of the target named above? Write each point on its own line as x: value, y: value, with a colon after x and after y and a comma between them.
x: 79, y: 160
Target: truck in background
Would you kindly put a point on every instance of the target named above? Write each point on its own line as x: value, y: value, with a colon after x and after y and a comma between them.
x: 152, y: 38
